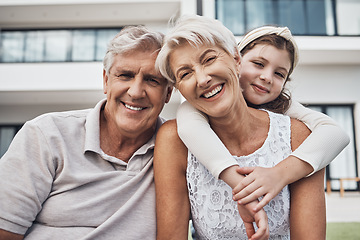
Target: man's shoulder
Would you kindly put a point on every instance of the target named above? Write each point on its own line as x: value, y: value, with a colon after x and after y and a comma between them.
x: 59, y: 120
x: 61, y: 115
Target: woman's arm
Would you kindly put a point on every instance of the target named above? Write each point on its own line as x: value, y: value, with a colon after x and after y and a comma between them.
x: 5, y: 235
x: 307, y: 209
x: 172, y: 202
x: 196, y: 133
x: 325, y: 142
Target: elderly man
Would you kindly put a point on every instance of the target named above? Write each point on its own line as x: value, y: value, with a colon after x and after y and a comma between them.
x: 88, y: 174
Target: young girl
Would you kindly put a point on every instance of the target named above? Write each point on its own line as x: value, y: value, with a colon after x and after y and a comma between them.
x: 262, y: 79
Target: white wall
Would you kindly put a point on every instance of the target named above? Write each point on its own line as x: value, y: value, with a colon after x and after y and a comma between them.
x: 329, y: 84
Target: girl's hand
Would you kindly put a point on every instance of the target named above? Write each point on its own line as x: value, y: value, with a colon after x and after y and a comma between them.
x: 266, y: 182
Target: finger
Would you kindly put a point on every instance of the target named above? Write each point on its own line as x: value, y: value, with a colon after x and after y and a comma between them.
x: 246, y: 191
x: 244, y: 194
x: 252, y: 196
x: 245, y: 170
x: 265, y: 200
x: 250, y: 230
x: 261, y: 233
x: 263, y: 228
x: 243, y: 184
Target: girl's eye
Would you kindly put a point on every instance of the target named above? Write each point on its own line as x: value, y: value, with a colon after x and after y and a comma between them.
x: 280, y: 74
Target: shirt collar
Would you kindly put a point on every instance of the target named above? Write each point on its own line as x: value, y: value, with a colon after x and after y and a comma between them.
x: 92, y: 131
x: 92, y: 128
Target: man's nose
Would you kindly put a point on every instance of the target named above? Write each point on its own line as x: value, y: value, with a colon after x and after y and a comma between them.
x: 137, y: 88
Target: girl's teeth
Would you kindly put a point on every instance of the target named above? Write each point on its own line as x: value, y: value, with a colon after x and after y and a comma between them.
x: 213, y: 92
x: 133, y: 108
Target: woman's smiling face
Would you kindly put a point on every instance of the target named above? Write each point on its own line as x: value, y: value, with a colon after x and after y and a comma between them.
x: 207, y: 76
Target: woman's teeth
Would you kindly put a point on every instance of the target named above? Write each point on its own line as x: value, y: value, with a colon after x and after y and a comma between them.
x: 213, y: 92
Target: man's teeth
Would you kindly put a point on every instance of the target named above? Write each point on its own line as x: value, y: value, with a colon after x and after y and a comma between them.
x: 213, y: 92
x: 133, y: 108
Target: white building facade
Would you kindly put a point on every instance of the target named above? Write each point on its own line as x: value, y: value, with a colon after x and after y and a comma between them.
x: 51, y: 53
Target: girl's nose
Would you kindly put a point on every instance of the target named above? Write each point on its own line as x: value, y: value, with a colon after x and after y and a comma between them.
x: 266, y: 77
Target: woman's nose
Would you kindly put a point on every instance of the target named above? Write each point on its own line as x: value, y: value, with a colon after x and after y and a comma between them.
x: 202, y: 79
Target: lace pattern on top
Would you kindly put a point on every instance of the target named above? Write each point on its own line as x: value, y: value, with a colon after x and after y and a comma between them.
x: 215, y: 214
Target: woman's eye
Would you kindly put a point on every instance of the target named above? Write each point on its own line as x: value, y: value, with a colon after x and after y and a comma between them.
x: 210, y: 59
x: 183, y: 75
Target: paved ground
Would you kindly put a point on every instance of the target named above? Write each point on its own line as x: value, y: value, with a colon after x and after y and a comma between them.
x: 343, y: 209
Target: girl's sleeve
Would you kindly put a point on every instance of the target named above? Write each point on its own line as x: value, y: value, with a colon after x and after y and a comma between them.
x: 194, y: 130
x: 325, y: 142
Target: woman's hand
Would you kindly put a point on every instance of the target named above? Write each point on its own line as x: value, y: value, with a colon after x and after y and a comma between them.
x: 249, y: 217
x: 266, y: 182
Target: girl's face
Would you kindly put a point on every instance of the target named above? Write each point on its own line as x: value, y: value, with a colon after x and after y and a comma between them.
x: 207, y: 77
x: 263, y: 73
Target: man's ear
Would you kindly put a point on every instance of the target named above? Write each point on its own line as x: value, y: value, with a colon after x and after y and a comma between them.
x: 237, y: 59
x: 105, y: 81
x: 168, y: 94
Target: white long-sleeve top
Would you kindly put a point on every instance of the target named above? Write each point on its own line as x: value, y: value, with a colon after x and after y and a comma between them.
x: 325, y: 142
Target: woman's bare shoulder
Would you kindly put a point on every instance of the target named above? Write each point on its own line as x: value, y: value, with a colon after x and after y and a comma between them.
x: 168, y: 129
x: 299, y: 132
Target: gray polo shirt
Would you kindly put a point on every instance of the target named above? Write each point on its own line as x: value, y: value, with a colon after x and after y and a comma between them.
x: 56, y: 182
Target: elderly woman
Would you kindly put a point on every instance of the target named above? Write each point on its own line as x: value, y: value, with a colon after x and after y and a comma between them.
x: 201, y: 57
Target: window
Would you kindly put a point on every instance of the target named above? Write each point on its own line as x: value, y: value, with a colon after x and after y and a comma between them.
x: 55, y: 45
x: 303, y: 17
x: 345, y: 164
x: 83, y: 45
x: 7, y: 133
x: 12, y: 46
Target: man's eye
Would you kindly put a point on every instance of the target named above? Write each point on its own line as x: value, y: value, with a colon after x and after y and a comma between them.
x: 123, y: 76
x: 259, y: 64
x: 153, y: 82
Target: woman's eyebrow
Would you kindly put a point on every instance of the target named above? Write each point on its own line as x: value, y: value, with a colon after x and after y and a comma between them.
x: 183, y: 67
x: 202, y: 56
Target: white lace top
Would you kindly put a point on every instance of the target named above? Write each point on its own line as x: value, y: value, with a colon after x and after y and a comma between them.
x: 215, y: 214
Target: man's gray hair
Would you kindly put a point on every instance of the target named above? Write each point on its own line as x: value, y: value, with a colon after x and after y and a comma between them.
x: 194, y: 30
x: 132, y: 38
